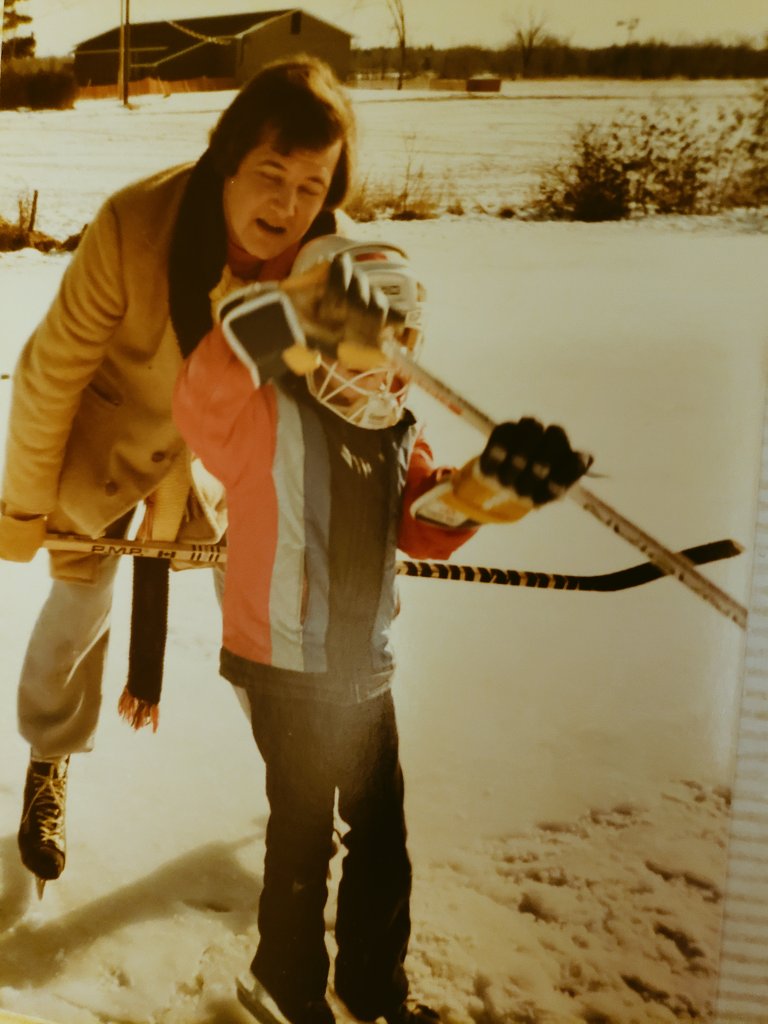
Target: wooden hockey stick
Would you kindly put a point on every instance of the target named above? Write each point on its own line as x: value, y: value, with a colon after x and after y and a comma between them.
x: 216, y: 554
x: 672, y: 563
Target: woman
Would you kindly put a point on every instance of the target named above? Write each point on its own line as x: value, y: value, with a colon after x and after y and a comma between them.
x: 91, y: 435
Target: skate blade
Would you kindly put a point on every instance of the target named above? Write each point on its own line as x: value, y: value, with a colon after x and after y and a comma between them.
x: 258, y: 1003
x: 40, y: 886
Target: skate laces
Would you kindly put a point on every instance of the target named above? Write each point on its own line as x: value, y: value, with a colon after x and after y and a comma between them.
x: 46, y: 808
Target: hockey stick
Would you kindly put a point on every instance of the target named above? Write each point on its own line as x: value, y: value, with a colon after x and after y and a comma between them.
x: 216, y: 554
x: 621, y: 579
x: 672, y: 563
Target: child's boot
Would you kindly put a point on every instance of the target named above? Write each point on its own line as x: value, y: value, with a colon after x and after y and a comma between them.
x: 263, y: 1008
x: 412, y: 1013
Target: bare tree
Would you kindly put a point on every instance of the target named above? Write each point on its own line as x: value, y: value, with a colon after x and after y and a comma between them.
x: 397, y: 13
x: 529, y: 34
x: 630, y: 24
x: 396, y: 10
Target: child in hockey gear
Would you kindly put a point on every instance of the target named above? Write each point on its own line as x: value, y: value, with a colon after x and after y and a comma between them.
x: 91, y: 437
x: 355, y: 377
x: 322, y: 467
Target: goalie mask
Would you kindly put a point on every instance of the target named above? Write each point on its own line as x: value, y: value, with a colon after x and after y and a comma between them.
x: 368, y: 398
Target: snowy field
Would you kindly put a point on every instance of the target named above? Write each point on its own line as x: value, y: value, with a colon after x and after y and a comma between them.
x: 484, y: 149
x: 567, y: 755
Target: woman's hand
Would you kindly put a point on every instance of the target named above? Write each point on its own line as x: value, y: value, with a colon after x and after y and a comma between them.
x: 21, y: 536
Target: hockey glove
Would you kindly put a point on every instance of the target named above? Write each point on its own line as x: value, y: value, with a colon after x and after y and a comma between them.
x: 338, y: 313
x: 523, y: 466
x: 349, y: 317
x: 262, y: 329
x: 21, y: 537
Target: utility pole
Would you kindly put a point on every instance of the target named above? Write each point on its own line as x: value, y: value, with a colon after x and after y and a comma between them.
x: 124, y: 71
x: 2, y: 36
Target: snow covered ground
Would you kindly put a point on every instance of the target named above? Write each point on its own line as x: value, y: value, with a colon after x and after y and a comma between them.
x: 567, y: 755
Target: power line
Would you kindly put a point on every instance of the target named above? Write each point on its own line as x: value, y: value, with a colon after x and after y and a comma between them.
x: 217, y: 40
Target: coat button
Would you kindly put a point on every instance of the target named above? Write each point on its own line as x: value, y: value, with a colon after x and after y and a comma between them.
x: 110, y: 487
x: 158, y: 456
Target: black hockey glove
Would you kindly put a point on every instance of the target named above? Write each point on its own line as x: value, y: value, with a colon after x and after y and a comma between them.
x: 271, y: 327
x: 261, y: 326
x: 534, y: 461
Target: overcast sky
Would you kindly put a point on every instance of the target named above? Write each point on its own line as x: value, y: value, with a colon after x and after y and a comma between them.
x: 60, y: 25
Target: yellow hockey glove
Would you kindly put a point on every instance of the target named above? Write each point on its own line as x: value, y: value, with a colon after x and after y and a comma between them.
x: 523, y: 466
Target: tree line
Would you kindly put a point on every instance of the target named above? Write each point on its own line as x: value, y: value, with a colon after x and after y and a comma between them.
x: 555, y: 59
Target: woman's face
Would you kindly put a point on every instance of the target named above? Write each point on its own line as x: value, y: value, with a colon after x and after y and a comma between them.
x: 273, y: 198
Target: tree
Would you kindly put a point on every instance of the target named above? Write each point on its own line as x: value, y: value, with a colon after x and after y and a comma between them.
x: 630, y: 24
x: 397, y: 13
x: 528, y: 36
x: 396, y: 10
x: 14, y: 44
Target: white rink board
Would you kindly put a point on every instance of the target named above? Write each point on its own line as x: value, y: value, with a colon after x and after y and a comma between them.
x: 743, y: 979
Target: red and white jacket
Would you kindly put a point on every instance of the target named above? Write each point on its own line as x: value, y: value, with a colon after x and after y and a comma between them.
x: 317, y: 510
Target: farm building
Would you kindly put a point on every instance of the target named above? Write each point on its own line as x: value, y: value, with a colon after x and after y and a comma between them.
x: 229, y: 47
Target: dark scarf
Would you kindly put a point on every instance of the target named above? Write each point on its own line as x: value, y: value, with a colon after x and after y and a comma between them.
x: 197, y: 255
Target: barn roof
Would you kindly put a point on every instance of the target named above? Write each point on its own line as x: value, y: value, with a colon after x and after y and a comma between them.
x: 218, y: 27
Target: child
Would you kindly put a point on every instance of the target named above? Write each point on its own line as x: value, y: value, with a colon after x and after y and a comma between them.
x: 323, y: 468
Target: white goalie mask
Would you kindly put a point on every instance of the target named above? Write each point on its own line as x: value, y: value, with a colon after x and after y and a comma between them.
x: 369, y: 398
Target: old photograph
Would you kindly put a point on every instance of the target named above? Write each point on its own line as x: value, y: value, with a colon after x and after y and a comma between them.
x: 441, y: 374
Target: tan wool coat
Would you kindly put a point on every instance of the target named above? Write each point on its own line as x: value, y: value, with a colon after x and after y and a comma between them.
x: 90, y: 433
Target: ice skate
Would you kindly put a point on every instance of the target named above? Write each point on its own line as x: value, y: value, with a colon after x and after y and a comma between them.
x: 412, y: 1013
x: 263, y: 1008
x: 41, y: 834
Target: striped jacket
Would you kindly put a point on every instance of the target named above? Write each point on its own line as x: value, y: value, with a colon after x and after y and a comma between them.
x: 317, y: 510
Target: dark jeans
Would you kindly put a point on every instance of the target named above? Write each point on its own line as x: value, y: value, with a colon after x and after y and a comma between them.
x: 312, y: 749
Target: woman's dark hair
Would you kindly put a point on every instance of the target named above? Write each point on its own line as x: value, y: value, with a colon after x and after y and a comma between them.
x: 306, y: 107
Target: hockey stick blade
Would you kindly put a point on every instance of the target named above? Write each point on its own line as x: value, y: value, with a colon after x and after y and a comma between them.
x: 608, y: 582
x: 672, y: 563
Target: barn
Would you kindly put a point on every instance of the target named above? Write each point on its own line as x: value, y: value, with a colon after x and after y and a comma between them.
x: 229, y: 47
